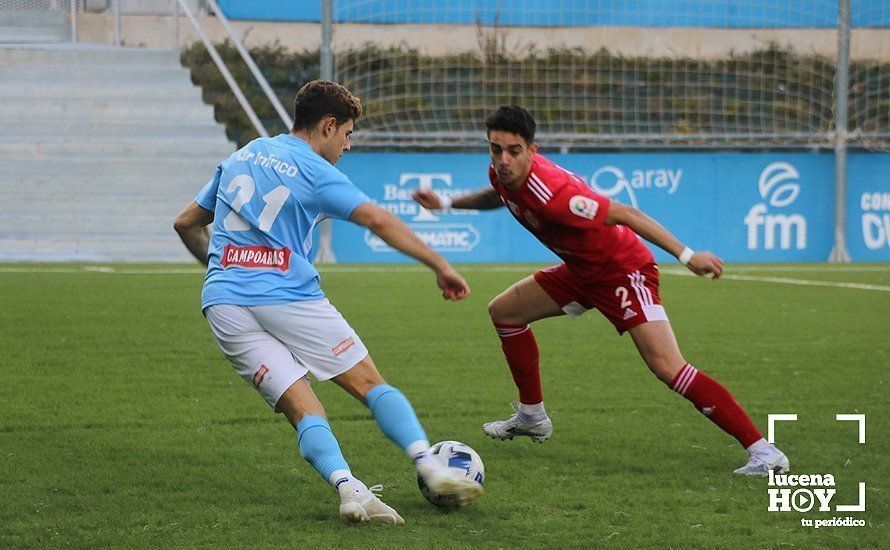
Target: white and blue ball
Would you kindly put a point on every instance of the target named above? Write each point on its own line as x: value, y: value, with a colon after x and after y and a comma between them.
x: 460, y: 458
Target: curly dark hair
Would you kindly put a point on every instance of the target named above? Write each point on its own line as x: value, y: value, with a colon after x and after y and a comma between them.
x: 513, y: 119
x: 323, y: 98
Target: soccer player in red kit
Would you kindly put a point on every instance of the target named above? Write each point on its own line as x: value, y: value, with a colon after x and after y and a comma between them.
x: 606, y: 267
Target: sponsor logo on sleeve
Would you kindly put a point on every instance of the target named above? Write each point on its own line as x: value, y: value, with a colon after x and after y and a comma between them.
x: 584, y: 207
x: 256, y: 257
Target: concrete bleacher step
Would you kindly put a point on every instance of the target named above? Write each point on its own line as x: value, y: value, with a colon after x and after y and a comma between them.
x: 34, y: 26
x: 132, y: 242
x: 103, y: 148
x: 173, y: 92
x: 34, y: 35
x: 134, y: 247
x: 106, y: 57
x: 121, y: 109
x: 36, y: 18
x: 59, y: 213
x: 100, y: 149
x: 91, y: 129
x: 86, y: 128
x: 147, y: 163
x: 69, y: 207
x: 148, y: 185
x: 93, y: 74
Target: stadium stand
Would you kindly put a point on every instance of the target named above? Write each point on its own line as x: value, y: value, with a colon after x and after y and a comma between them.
x: 101, y: 147
x: 33, y: 27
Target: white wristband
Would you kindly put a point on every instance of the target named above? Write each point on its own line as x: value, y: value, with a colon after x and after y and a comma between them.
x: 686, y: 255
x: 444, y: 202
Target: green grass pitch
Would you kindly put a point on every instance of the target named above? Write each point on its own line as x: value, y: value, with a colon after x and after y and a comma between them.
x: 123, y: 426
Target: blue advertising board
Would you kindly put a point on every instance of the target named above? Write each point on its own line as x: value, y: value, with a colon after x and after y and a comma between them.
x: 571, y: 13
x: 868, y: 207
x: 744, y: 207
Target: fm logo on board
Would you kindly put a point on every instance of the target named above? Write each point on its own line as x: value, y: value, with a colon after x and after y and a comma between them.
x: 769, y: 226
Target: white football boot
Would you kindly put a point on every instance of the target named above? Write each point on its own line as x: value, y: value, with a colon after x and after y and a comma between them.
x: 761, y: 462
x: 359, y: 503
x: 539, y: 431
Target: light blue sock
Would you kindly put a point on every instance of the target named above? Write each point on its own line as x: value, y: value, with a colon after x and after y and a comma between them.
x: 396, y: 418
x: 319, y: 447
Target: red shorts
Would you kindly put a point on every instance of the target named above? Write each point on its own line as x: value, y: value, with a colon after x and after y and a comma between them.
x: 627, y: 299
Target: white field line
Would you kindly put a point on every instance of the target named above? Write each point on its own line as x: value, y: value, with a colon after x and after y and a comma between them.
x: 99, y: 269
x: 787, y: 281
x: 505, y: 269
x: 510, y: 268
x: 321, y: 269
x: 827, y: 268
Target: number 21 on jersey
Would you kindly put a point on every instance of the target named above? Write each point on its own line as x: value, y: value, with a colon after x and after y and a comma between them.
x: 246, y: 187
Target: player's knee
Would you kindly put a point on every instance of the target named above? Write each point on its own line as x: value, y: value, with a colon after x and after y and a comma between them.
x: 363, y: 388
x: 373, y: 395
x: 296, y: 413
x: 664, y: 368
x: 498, y: 310
x: 493, y: 309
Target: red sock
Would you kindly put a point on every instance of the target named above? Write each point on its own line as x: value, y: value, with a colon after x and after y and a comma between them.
x: 521, y: 351
x: 715, y: 402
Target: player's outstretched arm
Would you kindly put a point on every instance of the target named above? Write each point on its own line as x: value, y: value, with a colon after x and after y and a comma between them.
x: 397, y: 235
x: 700, y: 263
x: 191, y: 224
x: 484, y: 199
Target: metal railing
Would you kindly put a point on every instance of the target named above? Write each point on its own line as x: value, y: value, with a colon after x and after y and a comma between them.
x: 255, y: 71
x: 116, y: 8
x: 174, y: 9
x: 220, y: 64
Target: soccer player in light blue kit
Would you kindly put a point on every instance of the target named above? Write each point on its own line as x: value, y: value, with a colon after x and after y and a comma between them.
x: 264, y: 304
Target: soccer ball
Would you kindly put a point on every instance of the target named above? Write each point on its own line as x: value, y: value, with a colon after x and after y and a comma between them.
x: 462, y: 459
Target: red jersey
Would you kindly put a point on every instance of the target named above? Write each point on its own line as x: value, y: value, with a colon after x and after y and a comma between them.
x: 562, y: 212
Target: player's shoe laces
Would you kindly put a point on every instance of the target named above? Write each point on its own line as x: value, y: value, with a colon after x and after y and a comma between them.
x: 363, y: 504
x: 450, y: 483
x: 539, y: 431
x: 760, y: 464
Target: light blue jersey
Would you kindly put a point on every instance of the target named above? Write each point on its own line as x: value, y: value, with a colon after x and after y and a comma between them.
x: 266, y: 199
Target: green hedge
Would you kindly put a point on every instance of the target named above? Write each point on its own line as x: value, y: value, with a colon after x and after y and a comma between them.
x: 569, y: 91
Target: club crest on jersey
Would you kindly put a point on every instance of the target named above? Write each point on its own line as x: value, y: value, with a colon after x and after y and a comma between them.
x: 513, y: 208
x: 256, y: 257
x: 584, y: 207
